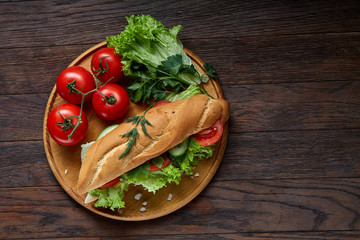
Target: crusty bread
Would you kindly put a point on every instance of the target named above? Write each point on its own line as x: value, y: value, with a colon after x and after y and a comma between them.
x: 171, y: 124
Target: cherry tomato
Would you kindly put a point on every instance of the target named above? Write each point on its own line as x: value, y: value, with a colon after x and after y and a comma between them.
x: 75, y: 77
x: 210, y: 135
x: 162, y: 102
x: 111, y: 101
x: 111, y: 183
x: 60, y: 128
x: 107, y: 64
x: 166, y: 163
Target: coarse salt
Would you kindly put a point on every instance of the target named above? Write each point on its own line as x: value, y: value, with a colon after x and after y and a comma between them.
x: 192, y: 177
x: 120, y: 211
x: 142, y: 209
x: 138, y: 196
x: 196, y: 174
x: 65, y: 171
x: 144, y: 203
x: 169, y: 197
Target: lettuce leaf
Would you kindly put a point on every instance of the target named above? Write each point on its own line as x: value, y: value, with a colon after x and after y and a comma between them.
x: 152, y: 181
x: 110, y: 197
x: 155, y: 180
x: 189, y: 92
x: 154, y: 58
x: 195, y: 153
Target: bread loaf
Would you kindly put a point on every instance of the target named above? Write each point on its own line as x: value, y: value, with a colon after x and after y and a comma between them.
x: 170, y: 124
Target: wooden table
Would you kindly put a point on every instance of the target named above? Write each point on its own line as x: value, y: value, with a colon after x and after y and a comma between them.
x: 290, y: 72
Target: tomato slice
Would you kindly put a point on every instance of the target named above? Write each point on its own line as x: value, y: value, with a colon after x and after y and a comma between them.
x: 210, y: 135
x: 111, y: 183
x: 162, y: 102
x: 166, y: 163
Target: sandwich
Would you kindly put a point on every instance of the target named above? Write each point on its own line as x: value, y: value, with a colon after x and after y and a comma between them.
x: 151, y: 149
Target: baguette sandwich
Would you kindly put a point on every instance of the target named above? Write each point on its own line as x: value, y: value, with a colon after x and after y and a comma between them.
x: 166, y: 135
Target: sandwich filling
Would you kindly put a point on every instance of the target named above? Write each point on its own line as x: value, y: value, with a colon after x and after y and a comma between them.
x: 153, y: 174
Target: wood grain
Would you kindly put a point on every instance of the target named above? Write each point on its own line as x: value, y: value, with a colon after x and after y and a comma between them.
x: 226, y: 207
x: 237, y: 18
x: 240, y: 61
x: 307, y: 106
x: 290, y: 71
x: 258, y: 155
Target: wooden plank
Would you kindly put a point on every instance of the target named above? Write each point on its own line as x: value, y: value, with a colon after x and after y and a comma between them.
x: 259, y: 155
x: 35, y: 69
x: 240, y: 61
x: 24, y: 164
x: 289, y: 106
x: 335, y: 235
x: 25, y: 119
x: 330, y: 235
x: 292, y: 154
x: 33, y: 23
x: 225, y: 207
x: 307, y: 106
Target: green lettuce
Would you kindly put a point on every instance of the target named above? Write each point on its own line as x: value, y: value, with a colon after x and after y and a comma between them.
x: 189, y: 92
x: 154, y: 58
x: 195, y: 153
x: 152, y: 181
x: 110, y: 197
x: 155, y: 180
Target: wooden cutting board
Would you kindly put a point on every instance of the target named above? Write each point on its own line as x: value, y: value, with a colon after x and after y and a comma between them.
x: 65, y: 161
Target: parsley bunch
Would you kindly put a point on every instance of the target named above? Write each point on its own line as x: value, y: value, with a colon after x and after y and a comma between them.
x: 154, y: 58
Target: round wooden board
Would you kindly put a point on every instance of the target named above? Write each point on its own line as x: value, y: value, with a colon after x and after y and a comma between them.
x: 65, y: 161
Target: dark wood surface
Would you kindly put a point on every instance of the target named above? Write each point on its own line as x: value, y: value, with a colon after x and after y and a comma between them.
x: 291, y: 73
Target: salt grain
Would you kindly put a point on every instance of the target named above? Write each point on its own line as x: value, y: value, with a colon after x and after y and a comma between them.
x: 138, y: 196
x: 120, y: 211
x: 169, y: 197
x: 144, y: 203
x: 196, y: 174
x: 142, y: 209
x: 65, y: 171
x: 192, y: 177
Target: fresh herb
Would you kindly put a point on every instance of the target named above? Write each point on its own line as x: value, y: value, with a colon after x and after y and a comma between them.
x: 133, y: 134
x: 210, y: 71
x: 154, y: 58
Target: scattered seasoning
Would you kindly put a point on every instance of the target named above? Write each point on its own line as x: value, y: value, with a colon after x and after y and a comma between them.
x: 169, y: 197
x: 120, y: 211
x: 196, y: 174
x: 142, y: 209
x: 65, y: 171
x: 144, y: 203
x: 138, y: 196
x: 192, y: 177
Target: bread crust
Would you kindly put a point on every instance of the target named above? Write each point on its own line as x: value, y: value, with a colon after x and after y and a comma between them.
x: 171, y: 124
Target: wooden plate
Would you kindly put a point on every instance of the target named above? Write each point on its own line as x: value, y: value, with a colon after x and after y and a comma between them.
x: 65, y: 161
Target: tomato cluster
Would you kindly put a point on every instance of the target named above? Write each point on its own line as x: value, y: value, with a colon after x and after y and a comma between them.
x: 67, y: 123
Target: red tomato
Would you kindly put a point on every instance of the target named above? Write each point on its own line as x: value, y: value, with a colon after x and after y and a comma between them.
x: 166, y: 163
x: 111, y: 101
x: 76, y: 77
x: 162, y: 102
x: 112, y: 72
x: 210, y: 135
x: 58, y: 128
x: 111, y: 183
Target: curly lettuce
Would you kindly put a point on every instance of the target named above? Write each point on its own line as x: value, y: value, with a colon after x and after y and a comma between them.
x: 111, y: 197
x: 154, y: 58
x: 155, y: 180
